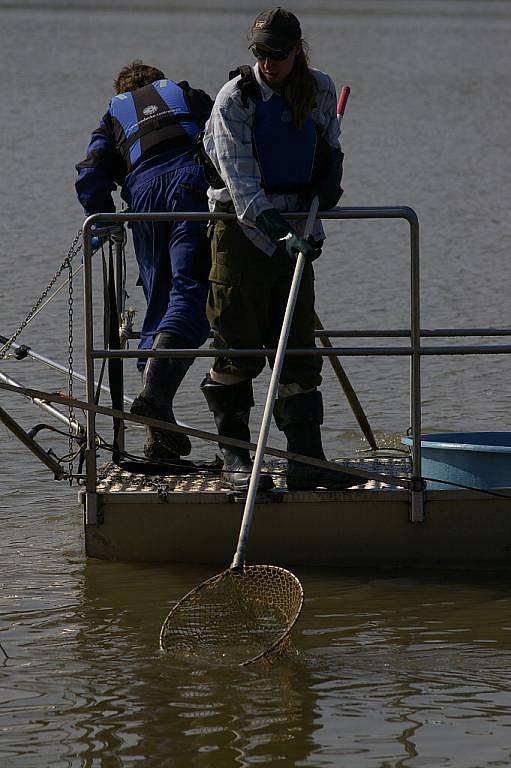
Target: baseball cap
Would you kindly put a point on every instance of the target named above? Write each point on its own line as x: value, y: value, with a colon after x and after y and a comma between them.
x: 275, y: 28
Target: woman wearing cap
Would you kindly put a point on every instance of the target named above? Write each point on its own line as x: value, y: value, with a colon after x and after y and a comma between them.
x: 270, y: 131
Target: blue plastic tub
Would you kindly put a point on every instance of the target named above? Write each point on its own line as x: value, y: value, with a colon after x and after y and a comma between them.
x: 477, y: 459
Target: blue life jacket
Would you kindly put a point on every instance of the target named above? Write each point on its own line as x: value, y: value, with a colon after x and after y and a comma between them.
x: 147, y: 117
x: 284, y: 152
x: 287, y: 155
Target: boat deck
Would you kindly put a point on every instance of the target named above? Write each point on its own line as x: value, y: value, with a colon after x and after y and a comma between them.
x: 194, y: 518
x: 114, y: 479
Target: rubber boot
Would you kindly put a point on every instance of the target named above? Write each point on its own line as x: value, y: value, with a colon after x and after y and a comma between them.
x: 162, y: 377
x: 231, y: 406
x: 299, y: 417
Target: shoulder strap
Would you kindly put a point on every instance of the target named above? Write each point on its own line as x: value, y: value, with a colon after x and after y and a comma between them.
x: 202, y: 158
x: 247, y: 84
x: 198, y: 101
x: 150, y: 124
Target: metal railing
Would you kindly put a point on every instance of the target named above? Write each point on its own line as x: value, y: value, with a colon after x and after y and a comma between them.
x: 414, y: 350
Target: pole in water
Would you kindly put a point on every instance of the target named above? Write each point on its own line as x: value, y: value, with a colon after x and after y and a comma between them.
x: 255, y: 607
x: 239, y: 557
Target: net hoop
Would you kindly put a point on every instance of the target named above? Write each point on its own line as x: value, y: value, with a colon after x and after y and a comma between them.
x: 294, y: 588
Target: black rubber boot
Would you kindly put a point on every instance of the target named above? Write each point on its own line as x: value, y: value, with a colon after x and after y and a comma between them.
x: 231, y: 406
x: 300, y: 417
x: 162, y: 377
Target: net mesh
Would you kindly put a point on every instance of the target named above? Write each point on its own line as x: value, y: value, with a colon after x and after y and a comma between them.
x: 241, y: 616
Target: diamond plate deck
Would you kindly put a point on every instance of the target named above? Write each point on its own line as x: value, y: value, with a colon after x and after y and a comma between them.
x: 114, y: 479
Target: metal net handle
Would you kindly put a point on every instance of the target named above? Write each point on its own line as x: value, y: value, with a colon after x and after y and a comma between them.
x: 239, y: 557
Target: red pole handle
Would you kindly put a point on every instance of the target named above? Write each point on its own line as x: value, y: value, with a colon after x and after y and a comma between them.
x: 343, y: 98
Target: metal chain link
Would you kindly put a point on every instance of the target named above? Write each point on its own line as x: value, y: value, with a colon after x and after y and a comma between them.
x: 73, y: 250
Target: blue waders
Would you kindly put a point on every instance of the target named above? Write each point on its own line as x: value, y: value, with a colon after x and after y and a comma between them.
x: 174, y: 263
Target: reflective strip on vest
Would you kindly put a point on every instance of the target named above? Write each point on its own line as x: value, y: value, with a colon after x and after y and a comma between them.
x: 122, y: 108
x: 284, y: 152
x: 174, y: 98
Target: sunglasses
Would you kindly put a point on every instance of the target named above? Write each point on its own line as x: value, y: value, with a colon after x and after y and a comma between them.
x: 259, y: 53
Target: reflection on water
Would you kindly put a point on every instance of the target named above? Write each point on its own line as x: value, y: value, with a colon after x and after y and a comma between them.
x: 424, y: 659
x: 391, y: 667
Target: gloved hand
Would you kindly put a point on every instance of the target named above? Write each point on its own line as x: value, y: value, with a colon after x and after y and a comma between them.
x: 101, y: 232
x: 97, y: 241
x: 276, y: 228
x: 317, y: 247
x: 328, y: 186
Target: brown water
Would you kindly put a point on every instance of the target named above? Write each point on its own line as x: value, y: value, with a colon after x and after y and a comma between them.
x: 395, y: 669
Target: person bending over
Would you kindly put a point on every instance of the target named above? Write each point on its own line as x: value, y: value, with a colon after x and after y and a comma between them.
x: 145, y: 144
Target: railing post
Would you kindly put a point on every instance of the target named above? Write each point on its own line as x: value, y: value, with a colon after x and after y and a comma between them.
x: 120, y: 298
x: 415, y: 351
x: 90, y: 455
x: 417, y: 487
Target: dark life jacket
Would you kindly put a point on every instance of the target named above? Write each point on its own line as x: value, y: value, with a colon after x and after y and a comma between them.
x: 285, y: 153
x: 156, y: 117
x: 287, y: 156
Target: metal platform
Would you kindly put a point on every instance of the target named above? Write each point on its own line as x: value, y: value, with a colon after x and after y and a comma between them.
x: 114, y: 479
x: 193, y: 518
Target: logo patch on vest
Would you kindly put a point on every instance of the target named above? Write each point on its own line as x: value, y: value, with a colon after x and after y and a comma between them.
x: 152, y: 109
x: 286, y: 116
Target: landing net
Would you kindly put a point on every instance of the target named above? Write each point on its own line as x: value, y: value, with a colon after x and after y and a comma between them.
x: 238, y: 616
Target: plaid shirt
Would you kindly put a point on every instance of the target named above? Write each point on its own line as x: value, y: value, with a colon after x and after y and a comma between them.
x: 228, y: 142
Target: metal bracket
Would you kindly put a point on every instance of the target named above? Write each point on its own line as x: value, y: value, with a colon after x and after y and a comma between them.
x: 21, y: 352
x: 163, y: 490
x: 31, y: 444
x: 274, y: 496
x: 416, y: 512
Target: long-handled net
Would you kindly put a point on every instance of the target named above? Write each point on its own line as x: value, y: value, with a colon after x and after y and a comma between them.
x: 246, y: 609
x: 243, y: 615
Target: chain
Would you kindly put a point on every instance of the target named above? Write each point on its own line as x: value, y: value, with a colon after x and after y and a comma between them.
x: 70, y: 369
x: 73, y: 250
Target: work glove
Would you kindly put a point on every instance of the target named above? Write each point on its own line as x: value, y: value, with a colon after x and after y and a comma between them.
x: 102, y: 231
x: 278, y: 230
x: 328, y: 185
x: 317, y: 247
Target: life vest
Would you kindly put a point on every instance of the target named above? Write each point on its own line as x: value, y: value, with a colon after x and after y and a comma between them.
x: 152, y: 115
x: 285, y: 153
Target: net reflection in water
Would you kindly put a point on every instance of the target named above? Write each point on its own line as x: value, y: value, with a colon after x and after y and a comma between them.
x: 240, y: 616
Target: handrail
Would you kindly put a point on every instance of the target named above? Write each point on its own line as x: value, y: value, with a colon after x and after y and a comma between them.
x: 368, y: 333
x: 482, y: 349
x: 362, y: 212
x: 414, y: 351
